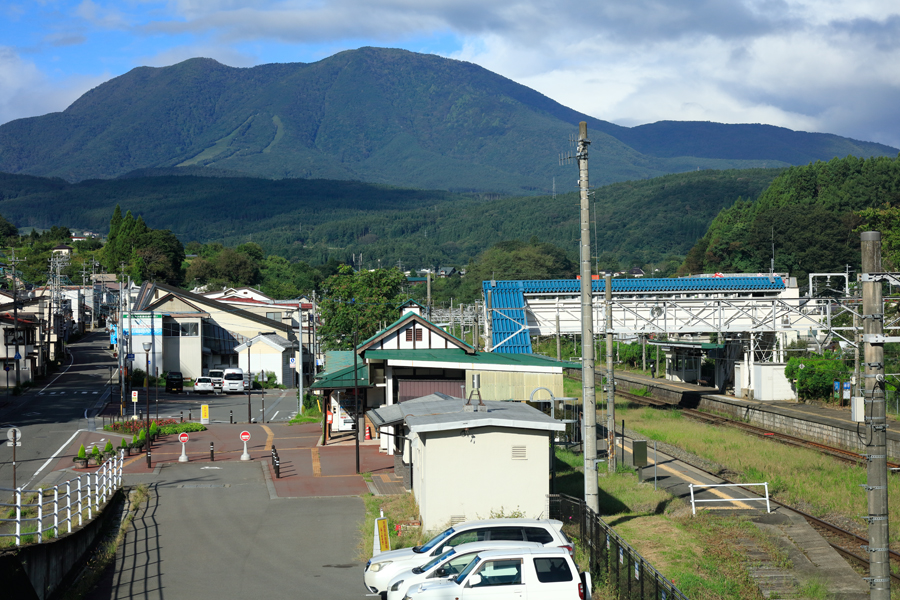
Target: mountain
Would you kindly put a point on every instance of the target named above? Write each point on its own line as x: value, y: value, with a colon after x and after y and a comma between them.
x: 376, y: 115
x: 638, y: 222
x: 808, y: 217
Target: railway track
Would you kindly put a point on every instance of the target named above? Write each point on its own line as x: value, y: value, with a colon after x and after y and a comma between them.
x: 829, y: 531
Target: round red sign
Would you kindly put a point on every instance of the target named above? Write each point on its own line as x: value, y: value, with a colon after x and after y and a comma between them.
x: 245, y: 436
x: 183, y: 437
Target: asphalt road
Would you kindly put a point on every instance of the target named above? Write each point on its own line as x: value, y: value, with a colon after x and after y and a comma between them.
x: 51, y: 413
x: 211, y: 532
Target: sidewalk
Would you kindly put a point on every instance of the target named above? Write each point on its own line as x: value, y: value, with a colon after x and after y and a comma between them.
x: 306, y: 469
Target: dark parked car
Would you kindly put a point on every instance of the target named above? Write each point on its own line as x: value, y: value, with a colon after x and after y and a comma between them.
x: 174, y: 382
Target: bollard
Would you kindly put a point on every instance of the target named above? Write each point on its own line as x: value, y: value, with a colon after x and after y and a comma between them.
x: 212, y: 452
x: 182, y: 416
x: 277, y: 470
x: 190, y: 417
x: 264, y: 407
x: 149, y: 464
x: 231, y: 417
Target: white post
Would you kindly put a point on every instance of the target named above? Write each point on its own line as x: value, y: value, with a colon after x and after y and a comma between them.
x: 40, y: 517
x: 18, y: 516
x: 245, y: 455
x: 184, y: 458
x: 69, y: 506
x: 80, y: 503
x: 693, y: 506
x: 55, y: 511
x: 768, y: 508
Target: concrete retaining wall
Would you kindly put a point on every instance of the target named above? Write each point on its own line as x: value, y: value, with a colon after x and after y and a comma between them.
x: 35, y: 571
x: 832, y: 435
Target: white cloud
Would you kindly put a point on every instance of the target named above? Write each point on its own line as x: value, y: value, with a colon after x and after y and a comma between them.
x: 25, y: 91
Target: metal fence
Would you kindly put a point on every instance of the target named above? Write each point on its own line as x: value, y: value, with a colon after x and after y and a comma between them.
x: 610, y: 558
x: 39, y: 514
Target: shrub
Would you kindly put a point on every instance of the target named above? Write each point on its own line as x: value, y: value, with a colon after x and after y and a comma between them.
x: 177, y: 428
x: 82, y: 454
x: 108, y: 449
x: 124, y: 443
x: 95, y: 452
x: 814, y: 376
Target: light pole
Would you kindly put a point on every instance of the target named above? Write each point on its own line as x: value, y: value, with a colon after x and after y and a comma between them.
x: 249, y: 381
x: 147, y: 388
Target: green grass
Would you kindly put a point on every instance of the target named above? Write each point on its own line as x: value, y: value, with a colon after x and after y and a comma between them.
x: 398, y: 509
x: 309, y: 416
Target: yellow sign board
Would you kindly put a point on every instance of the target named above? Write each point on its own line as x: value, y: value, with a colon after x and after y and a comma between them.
x: 204, y: 414
x: 384, y: 542
x: 134, y: 396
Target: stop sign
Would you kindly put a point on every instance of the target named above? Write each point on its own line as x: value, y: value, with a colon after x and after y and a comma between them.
x: 183, y: 437
x: 245, y: 436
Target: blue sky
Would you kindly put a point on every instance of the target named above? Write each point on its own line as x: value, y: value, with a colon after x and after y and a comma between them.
x: 813, y: 65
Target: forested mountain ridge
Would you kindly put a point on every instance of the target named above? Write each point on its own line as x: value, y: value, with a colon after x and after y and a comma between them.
x: 639, y: 222
x: 808, y: 213
x: 376, y: 115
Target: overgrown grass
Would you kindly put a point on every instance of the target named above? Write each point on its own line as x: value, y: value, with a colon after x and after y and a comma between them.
x: 812, y: 481
x: 401, y: 508
x: 309, y: 416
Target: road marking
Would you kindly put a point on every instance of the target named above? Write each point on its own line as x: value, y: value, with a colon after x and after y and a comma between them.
x: 317, y: 467
x: 55, y: 454
x: 269, y: 437
x: 71, y: 362
x: 275, y: 415
x: 689, y: 479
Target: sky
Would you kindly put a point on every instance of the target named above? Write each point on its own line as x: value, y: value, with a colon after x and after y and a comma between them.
x: 830, y: 66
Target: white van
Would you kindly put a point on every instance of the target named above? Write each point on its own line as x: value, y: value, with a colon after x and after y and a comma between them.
x: 233, y: 381
x: 217, y: 376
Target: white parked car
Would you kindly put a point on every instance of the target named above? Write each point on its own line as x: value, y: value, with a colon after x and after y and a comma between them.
x: 526, y: 573
x: 203, y: 385
x: 447, y: 565
x: 217, y: 376
x: 382, y: 568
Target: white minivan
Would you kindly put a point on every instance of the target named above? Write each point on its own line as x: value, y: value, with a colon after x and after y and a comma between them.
x: 233, y: 381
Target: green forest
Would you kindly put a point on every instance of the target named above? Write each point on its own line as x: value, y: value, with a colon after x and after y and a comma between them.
x: 638, y: 223
x: 809, y: 219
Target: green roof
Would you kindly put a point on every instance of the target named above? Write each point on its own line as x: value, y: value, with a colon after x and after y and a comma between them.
x: 343, y: 378
x: 460, y: 356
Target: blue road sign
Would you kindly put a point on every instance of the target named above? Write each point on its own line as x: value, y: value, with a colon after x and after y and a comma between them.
x: 17, y: 356
x: 129, y: 357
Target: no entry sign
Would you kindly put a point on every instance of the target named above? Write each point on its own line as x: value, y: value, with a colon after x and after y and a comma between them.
x: 245, y: 436
x: 183, y: 437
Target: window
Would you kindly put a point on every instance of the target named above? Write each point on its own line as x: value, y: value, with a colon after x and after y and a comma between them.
x: 506, y: 571
x: 418, y: 334
x: 506, y: 533
x: 538, y: 534
x: 552, y: 570
x: 410, y: 334
x: 171, y: 329
x: 275, y: 316
x: 190, y: 329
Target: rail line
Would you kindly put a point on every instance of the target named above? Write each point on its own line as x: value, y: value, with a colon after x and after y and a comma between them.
x: 815, y: 522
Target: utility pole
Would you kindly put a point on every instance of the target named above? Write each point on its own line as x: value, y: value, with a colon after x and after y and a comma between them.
x: 610, y: 384
x: 876, y: 423
x: 17, y: 356
x: 300, y: 366
x: 120, y: 341
x: 589, y: 404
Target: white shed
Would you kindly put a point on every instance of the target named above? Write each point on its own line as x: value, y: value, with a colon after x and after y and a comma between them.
x: 268, y: 352
x: 467, y: 460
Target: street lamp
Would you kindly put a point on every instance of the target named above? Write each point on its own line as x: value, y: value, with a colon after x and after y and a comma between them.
x: 249, y: 343
x: 147, y: 386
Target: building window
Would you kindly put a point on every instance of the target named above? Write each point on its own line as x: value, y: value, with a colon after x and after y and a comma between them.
x: 418, y: 334
x: 409, y: 334
x: 171, y: 329
x: 190, y: 329
x: 275, y: 316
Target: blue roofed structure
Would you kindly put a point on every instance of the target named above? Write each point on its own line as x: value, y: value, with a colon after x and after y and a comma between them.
x: 510, y: 310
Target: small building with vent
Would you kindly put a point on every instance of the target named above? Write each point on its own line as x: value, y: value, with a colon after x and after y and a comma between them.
x: 466, y: 459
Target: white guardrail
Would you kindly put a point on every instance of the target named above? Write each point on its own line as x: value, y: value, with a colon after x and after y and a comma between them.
x: 62, y: 505
x: 715, y: 485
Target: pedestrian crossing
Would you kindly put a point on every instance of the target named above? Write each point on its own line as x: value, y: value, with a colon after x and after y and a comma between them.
x: 74, y: 393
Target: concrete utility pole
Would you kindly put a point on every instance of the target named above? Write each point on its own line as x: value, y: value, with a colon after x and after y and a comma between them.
x: 610, y: 384
x: 876, y: 424
x: 14, y: 261
x: 589, y: 405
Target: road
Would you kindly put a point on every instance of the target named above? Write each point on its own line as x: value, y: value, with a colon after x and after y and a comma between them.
x: 51, y: 413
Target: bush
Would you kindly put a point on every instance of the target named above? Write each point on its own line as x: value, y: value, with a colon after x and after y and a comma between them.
x: 124, y: 443
x: 108, y: 448
x: 82, y: 454
x: 814, y: 376
x: 95, y: 452
x: 177, y: 428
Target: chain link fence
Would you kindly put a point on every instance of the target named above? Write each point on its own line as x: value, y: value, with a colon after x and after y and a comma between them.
x: 611, y: 560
